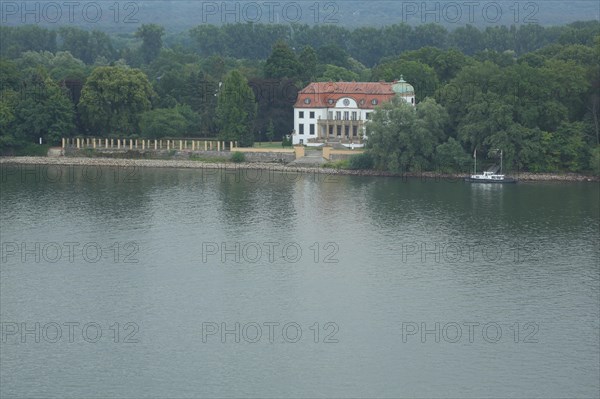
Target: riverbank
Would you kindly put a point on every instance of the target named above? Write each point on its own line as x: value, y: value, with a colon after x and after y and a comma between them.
x: 189, y: 164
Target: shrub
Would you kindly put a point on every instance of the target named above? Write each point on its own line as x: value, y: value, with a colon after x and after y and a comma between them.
x: 361, y: 161
x: 33, y: 150
x: 339, y: 164
x: 238, y: 157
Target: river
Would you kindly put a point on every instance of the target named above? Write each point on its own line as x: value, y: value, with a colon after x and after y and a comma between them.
x: 183, y: 283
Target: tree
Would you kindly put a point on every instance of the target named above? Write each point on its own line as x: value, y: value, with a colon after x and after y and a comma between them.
x: 468, y: 39
x: 271, y: 131
x: 308, y: 62
x: 451, y: 156
x: 421, y: 76
x: 401, y: 137
x: 334, y: 55
x: 151, y: 35
x: 84, y: 45
x: 282, y: 63
x: 236, y: 110
x: 333, y: 73
x: 162, y: 122
x: 113, y: 99
x: 42, y: 109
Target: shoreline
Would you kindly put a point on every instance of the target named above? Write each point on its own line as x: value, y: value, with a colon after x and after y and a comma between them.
x: 186, y: 164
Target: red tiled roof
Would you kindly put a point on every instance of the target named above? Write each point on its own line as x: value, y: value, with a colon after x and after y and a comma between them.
x: 363, y: 93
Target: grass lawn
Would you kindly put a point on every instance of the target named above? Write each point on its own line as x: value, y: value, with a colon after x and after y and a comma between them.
x: 267, y: 144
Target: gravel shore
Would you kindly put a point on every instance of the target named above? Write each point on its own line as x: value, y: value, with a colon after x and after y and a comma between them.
x: 164, y: 163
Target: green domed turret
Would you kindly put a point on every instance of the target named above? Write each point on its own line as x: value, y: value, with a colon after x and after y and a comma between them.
x: 401, y: 87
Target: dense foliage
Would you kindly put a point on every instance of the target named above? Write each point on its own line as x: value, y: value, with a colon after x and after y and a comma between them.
x: 531, y: 90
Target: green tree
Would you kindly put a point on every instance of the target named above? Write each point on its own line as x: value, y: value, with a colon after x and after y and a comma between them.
x: 162, y: 122
x: 421, y: 76
x: 84, y: 45
x: 271, y: 131
x: 236, y: 110
x: 308, y: 62
x: 450, y: 156
x: 333, y: 73
x: 41, y: 109
x: 282, y: 63
x: 402, y: 137
x: 334, y: 55
x: 113, y: 98
x: 151, y: 35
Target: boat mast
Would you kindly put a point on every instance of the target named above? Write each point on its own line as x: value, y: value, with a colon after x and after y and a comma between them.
x: 500, y: 161
x: 475, y: 165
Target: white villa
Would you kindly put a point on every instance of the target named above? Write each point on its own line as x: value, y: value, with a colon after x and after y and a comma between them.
x: 337, y: 112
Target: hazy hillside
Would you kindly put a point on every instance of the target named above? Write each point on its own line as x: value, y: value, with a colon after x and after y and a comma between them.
x: 178, y: 15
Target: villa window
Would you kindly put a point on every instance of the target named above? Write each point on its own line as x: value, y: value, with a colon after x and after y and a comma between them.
x: 301, y: 115
x: 346, y: 115
x: 312, y: 115
x: 312, y: 129
x: 338, y: 115
x: 353, y: 115
x: 330, y: 114
x: 301, y: 127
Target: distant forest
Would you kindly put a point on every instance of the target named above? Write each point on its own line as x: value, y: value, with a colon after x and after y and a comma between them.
x: 180, y: 15
x: 529, y: 89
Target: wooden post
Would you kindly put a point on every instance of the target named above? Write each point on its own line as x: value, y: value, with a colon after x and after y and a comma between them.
x: 210, y: 145
x: 180, y: 145
x: 94, y: 143
x: 118, y: 143
x: 77, y: 142
x: 205, y: 146
x: 231, y: 146
x: 63, y: 142
x: 219, y: 146
x: 193, y: 144
x: 143, y: 144
x: 155, y: 144
x: 167, y: 144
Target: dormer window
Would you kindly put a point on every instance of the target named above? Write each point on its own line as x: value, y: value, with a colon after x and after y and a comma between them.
x: 307, y: 101
x: 374, y: 101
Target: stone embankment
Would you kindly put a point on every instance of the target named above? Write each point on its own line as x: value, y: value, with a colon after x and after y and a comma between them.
x: 189, y: 164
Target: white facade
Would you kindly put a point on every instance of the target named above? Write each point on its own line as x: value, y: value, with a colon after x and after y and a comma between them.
x: 338, y: 111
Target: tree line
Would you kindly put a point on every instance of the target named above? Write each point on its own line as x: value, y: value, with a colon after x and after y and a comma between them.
x: 530, y: 90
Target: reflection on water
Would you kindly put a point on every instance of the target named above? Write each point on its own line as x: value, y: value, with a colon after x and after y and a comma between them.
x: 375, y: 257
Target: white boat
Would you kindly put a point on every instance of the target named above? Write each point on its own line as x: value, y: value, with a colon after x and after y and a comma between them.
x: 488, y: 177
